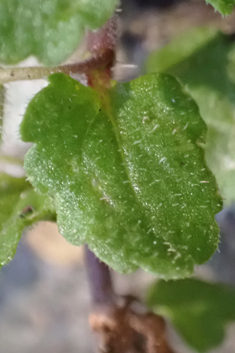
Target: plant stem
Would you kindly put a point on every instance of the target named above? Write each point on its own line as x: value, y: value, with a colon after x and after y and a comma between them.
x: 101, y: 45
x: 99, y: 277
x: 33, y: 73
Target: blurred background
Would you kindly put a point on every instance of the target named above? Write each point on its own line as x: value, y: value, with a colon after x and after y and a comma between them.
x: 44, y: 296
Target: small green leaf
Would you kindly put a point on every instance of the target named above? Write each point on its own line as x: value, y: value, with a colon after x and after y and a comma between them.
x: 209, y: 75
x: 49, y: 29
x: 199, y: 310
x: 20, y: 206
x: 223, y: 6
x: 127, y: 174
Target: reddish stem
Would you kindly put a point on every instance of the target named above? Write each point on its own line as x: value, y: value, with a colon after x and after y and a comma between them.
x: 102, y: 43
x: 99, y: 278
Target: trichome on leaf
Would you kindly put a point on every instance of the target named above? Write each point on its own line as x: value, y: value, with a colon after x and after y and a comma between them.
x: 126, y: 172
x: 203, y: 60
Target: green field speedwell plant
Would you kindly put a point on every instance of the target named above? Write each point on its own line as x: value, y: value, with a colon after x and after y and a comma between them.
x: 120, y: 167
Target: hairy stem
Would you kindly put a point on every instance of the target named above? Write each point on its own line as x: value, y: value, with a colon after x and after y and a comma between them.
x: 99, y: 278
x: 98, y: 62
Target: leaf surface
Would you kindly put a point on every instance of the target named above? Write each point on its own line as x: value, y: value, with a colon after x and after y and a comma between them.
x: 48, y: 29
x: 225, y: 7
x: 20, y: 206
x: 127, y: 172
x: 208, y: 74
x: 199, y: 310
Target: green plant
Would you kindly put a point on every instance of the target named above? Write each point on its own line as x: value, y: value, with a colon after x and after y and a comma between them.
x: 120, y: 166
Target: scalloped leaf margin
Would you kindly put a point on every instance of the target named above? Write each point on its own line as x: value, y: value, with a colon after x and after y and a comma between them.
x: 127, y: 172
x: 205, y: 66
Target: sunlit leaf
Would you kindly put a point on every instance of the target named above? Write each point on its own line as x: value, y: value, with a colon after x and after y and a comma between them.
x: 127, y: 172
x: 20, y: 206
x: 199, y: 310
x: 209, y: 75
x: 48, y: 29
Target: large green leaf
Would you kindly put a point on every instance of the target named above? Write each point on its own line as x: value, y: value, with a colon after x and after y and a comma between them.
x: 223, y: 6
x: 48, y: 29
x: 199, y: 310
x: 126, y: 171
x: 20, y: 206
x: 209, y: 75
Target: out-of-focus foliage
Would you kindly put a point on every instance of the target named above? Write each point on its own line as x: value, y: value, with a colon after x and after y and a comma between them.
x: 20, y: 206
x: 49, y: 29
x: 2, y: 97
x: 199, y: 310
x: 225, y: 7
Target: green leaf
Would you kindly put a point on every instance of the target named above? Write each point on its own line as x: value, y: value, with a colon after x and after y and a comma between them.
x: 49, y: 29
x: 2, y: 97
x: 209, y: 76
x: 199, y: 310
x: 180, y: 49
x: 127, y: 172
x: 223, y: 6
x: 20, y: 206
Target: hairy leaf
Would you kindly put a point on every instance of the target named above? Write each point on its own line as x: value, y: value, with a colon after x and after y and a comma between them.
x: 48, y: 29
x: 127, y: 171
x: 209, y: 75
x: 20, y: 206
x: 223, y: 6
x: 199, y: 310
